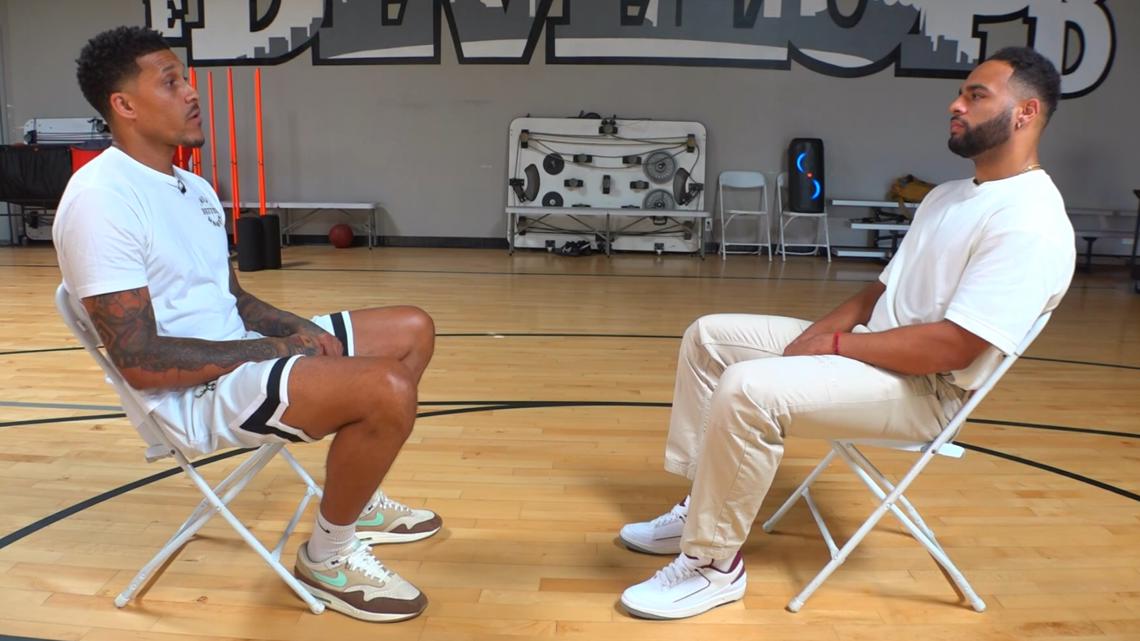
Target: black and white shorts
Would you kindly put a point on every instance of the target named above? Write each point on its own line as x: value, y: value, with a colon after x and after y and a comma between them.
x: 245, y: 407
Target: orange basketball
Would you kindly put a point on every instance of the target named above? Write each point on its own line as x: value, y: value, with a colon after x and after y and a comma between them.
x: 340, y: 236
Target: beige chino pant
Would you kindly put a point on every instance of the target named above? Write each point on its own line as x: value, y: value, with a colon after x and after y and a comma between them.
x: 737, y: 399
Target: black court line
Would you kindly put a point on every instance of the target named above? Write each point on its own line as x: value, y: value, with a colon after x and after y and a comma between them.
x: 61, y: 419
x: 444, y: 272
x: 40, y: 351
x: 489, y: 406
x: 1055, y: 470
x: 873, y: 276
x: 1055, y: 428
x: 550, y: 335
x: 105, y: 496
x: 1074, y: 362
x: 601, y: 335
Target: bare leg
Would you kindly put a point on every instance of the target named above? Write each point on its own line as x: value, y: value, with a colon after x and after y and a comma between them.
x: 370, y: 403
x: 406, y: 334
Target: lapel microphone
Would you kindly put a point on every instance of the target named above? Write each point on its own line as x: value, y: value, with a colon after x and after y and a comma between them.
x: 181, y: 186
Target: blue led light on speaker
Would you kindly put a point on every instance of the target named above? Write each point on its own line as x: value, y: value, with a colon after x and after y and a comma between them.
x: 800, y: 162
x: 818, y: 189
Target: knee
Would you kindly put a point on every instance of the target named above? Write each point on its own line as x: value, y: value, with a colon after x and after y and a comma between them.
x: 421, y: 325
x: 394, y: 400
x: 694, y: 335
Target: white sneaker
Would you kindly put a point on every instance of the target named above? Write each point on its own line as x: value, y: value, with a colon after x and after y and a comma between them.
x: 686, y: 587
x: 662, y: 535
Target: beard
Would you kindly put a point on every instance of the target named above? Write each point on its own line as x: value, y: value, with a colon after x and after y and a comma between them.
x: 974, y: 141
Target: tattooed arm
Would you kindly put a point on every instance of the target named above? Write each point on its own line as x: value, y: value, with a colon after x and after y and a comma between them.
x: 125, y: 321
x: 265, y: 319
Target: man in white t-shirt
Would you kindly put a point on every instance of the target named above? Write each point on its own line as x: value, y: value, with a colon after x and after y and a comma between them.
x: 142, y: 247
x: 983, y: 260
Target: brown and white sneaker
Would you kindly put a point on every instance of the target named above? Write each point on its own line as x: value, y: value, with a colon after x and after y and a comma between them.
x: 356, y: 583
x: 388, y: 521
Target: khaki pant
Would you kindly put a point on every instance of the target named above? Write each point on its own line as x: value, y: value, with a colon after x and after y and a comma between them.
x: 737, y: 399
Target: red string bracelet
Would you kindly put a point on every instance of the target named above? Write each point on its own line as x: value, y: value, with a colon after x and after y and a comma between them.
x: 835, y: 344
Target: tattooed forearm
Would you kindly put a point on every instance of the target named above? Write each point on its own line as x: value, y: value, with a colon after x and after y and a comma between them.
x: 126, y: 323
x: 264, y: 318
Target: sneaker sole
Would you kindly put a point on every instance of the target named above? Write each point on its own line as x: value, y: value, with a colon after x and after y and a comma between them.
x: 731, y: 594
x: 334, y: 603
x: 673, y: 550
x: 377, y: 538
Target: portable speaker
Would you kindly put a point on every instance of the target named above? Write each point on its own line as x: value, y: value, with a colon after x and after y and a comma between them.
x: 251, y: 244
x: 271, y: 235
x: 805, y: 175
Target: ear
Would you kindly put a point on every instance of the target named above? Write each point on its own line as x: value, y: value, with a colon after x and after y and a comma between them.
x: 1027, y: 112
x: 123, y: 106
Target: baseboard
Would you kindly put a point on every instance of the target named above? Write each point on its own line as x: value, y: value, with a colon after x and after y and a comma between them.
x: 439, y: 242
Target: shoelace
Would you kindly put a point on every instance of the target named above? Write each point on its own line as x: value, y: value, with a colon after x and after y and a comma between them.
x: 363, y: 561
x: 389, y: 504
x: 680, y: 569
x: 678, y: 512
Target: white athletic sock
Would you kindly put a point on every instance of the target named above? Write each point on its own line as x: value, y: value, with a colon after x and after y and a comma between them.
x: 371, y: 505
x: 329, y: 539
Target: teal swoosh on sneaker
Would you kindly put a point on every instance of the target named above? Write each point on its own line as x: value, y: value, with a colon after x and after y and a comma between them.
x: 372, y: 522
x: 337, y: 581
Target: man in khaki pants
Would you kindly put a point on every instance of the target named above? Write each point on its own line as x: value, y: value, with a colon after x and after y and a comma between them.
x: 984, y: 258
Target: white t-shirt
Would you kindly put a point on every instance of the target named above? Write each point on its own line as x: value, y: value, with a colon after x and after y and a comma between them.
x: 990, y: 258
x: 122, y: 225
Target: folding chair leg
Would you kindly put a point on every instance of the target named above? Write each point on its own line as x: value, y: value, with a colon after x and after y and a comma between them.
x: 302, y: 473
x: 314, y: 605
x: 887, y: 497
x: 770, y: 524
x: 197, y: 519
x: 212, y: 503
x: 921, y: 534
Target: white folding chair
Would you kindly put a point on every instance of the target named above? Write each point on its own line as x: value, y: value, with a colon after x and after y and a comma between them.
x: 889, y: 494
x: 160, y: 446
x: 786, y: 217
x: 740, y: 180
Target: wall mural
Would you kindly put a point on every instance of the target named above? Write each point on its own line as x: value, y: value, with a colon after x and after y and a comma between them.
x: 849, y: 38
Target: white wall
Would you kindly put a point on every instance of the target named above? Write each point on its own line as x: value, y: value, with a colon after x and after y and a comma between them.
x: 429, y: 141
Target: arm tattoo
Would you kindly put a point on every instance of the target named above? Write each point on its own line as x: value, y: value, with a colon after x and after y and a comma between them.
x: 126, y: 323
x: 262, y: 317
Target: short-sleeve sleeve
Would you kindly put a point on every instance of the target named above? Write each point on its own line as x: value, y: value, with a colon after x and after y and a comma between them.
x: 102, y: 244
x: 1010, y: 279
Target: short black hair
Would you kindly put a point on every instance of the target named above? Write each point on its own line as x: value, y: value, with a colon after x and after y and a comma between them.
x: 110, y: 58
x: 1035, y: 72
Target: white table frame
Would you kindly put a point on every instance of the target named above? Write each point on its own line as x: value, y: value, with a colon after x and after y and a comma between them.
x: 310, y: 209
x: 607, y: 231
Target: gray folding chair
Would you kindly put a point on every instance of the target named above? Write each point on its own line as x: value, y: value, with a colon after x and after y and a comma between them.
x: 160, y: 446
x: 891, y: 495
x: 742, y: 180
x: 785, y: 217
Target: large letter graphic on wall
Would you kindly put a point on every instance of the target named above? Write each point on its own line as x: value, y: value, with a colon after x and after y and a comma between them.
x: 379, y: 32
x: 925, y: 38
x: 233, y: 32
x: 949, y: 42
x: 669, y: 32
x: 496, y: 31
